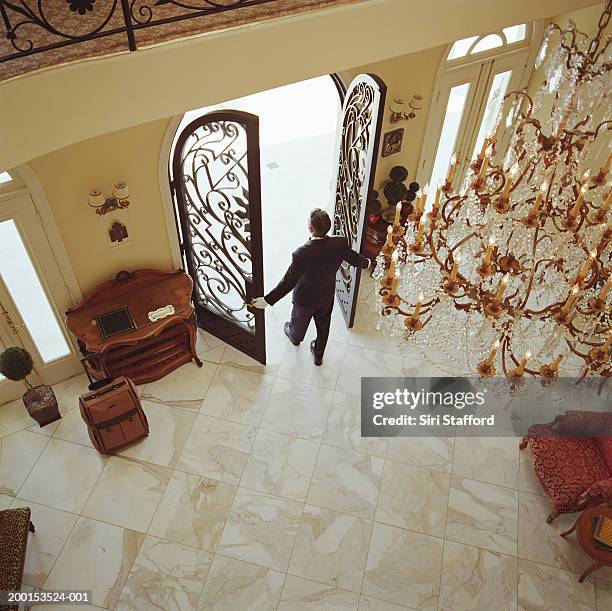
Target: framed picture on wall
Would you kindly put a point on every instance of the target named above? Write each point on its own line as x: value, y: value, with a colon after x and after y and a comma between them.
x: 392, y: 142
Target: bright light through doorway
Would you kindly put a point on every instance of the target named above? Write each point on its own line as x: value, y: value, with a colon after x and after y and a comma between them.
x: 298, y: 126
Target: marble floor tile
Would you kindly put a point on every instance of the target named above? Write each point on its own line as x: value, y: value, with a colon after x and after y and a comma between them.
x: 331, y: 548
x: 52, y: 530
x: 482, y: 514
x: 18, y: 455
x: 280, y: 465
x: 217, y: 448
x: 343, y: 428
x: 304, y: 595
x: 298, y: 364
x: 528, y: 482
x: 541, y: 587
x: 364, y: 362
x: 168, y: 431
x: 237, y: 395
x: 127, y: 493
x: 403, y: 567
x: 72, y: 428
x: 183, y: 388
x: 414, y: 498
x: 431, y: 452
x: 297, y: 409
x: 68, y: 392
x: 166, y: 576
x: 232, y: 585
x: 208, y: 347
x: 364, y: 333
x: 14, y: 417
x: 540, y: 542
x: 474, y: 578
x: 276, y: 344
x: 487, y: 459
x: 366, y: 603
x: 6, y: 501
x: 193, y: 510
x: 64, y: 476
x: 346, y: 481
x: 97, y: 557
x: 603, y: 594
x: 261, y: 529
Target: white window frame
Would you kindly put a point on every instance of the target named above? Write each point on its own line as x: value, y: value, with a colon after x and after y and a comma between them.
x: 478, y: 69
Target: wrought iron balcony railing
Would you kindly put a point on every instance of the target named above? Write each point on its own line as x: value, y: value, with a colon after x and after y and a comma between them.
x: 43, y: 33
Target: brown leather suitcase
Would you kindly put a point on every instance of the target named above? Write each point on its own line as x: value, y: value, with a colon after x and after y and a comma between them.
x: 114, y: 415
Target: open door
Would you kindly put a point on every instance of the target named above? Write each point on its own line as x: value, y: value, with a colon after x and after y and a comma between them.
x: 362, y: 115
x: 217, y: 190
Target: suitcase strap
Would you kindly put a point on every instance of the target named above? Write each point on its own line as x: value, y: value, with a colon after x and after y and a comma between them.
x: 116, y: 420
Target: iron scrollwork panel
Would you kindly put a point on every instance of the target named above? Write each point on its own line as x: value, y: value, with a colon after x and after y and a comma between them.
x: 361, y: 122
x: 220, y: 219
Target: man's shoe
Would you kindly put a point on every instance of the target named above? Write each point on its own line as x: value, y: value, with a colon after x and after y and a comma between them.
x: 286, y: 327
x: 318, y: 359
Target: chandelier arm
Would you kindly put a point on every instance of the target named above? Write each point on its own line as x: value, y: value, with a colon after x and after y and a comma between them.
x: 534, y: 246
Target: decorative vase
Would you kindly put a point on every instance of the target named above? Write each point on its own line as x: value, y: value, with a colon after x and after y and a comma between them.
x: 41, y: 404
x: 373, y: 218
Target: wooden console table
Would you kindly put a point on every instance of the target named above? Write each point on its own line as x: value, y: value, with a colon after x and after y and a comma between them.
x: 152, y: 349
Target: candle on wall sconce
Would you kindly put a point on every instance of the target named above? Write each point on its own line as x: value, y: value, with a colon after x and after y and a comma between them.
x: 104, y: 205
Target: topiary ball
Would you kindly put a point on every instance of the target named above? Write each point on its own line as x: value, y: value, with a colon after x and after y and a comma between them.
x: 413, y: 186
x: 410, y: 197
x: 398, y: 173
x: 395, y: 192
x: 16, y: 363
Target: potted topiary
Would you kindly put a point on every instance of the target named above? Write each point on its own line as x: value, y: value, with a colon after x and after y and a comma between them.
x: 40, y: 401
x: 373, y: 207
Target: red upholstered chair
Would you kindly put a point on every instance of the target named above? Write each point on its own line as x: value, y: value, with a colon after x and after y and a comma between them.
x: 572, y: 458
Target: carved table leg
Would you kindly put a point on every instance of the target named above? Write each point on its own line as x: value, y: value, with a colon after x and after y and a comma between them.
x: 593, y: 567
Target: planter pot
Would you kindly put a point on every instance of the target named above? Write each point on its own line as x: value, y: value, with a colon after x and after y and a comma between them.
x: 373, y: 218
x: 41, y: 404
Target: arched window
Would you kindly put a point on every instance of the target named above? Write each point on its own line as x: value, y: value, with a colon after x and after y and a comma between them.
x: 474, y: 76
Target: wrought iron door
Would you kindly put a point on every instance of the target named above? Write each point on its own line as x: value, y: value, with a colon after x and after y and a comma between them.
x: 362, y: 115
x: 216, y: 181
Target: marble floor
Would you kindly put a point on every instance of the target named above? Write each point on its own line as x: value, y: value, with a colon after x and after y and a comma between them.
x: 255, y: 491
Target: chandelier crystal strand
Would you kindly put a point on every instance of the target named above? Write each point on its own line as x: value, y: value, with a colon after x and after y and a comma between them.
x: 514, y: 272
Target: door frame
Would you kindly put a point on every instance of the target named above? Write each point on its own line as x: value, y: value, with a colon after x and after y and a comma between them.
x: 340, y: 79
x: 19, y: 205
x: 232, y: 333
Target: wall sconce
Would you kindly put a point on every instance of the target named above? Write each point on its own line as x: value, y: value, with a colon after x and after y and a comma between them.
x: 117, y: 201
x: 397, y: 108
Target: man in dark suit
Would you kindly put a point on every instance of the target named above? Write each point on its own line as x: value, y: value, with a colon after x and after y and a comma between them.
x: 312, y: 277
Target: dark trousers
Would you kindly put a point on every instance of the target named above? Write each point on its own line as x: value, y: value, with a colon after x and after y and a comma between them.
x: 300, y: 319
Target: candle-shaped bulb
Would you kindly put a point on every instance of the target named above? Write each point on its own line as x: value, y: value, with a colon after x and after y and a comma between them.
x: 555, y: 364
x: 452, y: 168
x: 487, y: 257
x: 514, y: 171
x: 502, y: 288
x: 521, y: 367
x: 570, y: 299
x: 539, y: 197
x: 417, y: 307
x: 455, y: 269
x: 398, y: 212
x: 576, y: 207
x: 494, y: 349
x: 389, y: 242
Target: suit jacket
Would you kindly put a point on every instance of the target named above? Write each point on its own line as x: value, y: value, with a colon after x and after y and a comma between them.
x: 312, y: 273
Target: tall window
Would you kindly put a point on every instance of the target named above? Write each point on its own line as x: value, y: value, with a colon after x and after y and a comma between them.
x: 475, y: 75
x: 5, y: 177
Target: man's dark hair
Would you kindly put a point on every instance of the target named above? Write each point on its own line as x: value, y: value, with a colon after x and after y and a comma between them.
x: 319, y: 223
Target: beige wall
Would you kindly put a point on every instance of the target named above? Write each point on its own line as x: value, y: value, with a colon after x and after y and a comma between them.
x: 405, y: 76
x: 69, y: 174
x: 54, y: 108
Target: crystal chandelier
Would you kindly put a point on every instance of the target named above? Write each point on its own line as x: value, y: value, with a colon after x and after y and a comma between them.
x: 512, y: 274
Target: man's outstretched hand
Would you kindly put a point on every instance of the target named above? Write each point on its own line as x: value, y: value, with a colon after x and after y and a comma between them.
x: 259, y: 302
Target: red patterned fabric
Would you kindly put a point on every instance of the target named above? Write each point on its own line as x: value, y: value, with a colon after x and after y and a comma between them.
x: 567, y: 467
x: 605, y: 447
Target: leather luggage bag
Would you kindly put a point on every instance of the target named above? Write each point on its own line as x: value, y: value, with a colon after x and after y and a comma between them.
x: 114, y: 415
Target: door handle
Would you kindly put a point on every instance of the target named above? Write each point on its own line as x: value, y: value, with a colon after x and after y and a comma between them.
x: 10, y: 322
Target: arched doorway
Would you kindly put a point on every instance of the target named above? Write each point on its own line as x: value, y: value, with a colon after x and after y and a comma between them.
x: 245, y: 174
